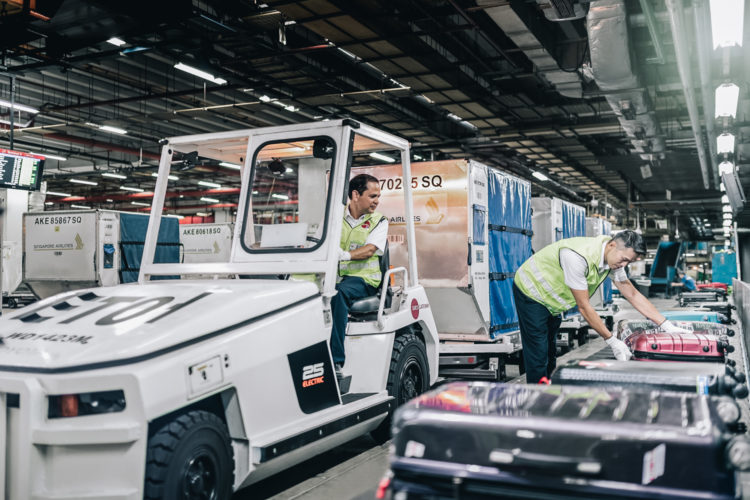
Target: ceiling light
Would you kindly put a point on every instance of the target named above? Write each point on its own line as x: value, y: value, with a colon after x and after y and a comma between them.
x: 140, y: 204
x: 18, y: 107
x: 170, y: 177
x: 81, y: 181
x: 726, y: 223
x: 382, y: 157
x: 84, y: 207
x: 726, y: 22
x: 721, y: 187
x: 230, y: 165
x: 110, y: 200
x: 49, y: 157
x: 49, y: 203
x: 209, y: 200
x: 199, y: 73
x: 116, y: 41
x: 726, y: 167
x: 114, y: 176
x: 725, y: 143
x: 727, y: 95
x: 727, y: 209
x: 134, y: 189
x: 56, y: 193
x: 727, y: 243
x: 280, y: 196
x: 202, y: 214
x: 175, y: 216
x: 726, y: 216
x: 289, y: 169
x: 114, y: 130
x: 265, y: 98
x: 540, y: 176
x: 209, y: 184
x: 725, y: 200
x: 707, y: 224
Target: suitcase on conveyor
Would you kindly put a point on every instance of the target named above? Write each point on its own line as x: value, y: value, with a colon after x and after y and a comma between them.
x: 651, y: 345
x: 723, y: 307
x: 628, y: 327
x: 693, y: 297
x: 700, y: 378
x: 484, y: 440
x: 697, y: 315
x: 721, y: 286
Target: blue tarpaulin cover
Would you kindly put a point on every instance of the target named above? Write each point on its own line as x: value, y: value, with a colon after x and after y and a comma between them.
x: 509, y: 206
x: 133, y: 229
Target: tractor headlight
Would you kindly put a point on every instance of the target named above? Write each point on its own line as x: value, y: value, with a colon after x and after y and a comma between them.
x: 87, y: 403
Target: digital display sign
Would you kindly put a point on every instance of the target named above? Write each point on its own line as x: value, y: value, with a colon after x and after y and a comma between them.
x: 20, y: 170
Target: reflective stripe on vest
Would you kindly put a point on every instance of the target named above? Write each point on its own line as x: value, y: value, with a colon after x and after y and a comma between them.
x: 356, y: 237
x: 541, y: 277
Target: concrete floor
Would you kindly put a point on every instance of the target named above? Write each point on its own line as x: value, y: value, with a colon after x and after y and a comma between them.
x: 353, y: 471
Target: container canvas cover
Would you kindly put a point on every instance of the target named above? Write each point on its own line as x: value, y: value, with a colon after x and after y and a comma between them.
x: 133, y: 229
x: 509, y: 208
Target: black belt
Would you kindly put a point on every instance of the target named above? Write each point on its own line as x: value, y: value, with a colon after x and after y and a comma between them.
x: 520, y: 230
x: 501, y: 276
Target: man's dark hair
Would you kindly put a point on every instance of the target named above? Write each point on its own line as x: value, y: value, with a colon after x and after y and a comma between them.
x: 360, y: 182
x: 631, y: 239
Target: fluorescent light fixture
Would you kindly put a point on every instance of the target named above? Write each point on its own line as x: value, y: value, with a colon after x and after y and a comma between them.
x: 707, y: 224
x: 49, y: 203
x: 726, y: 167
x: 727, y: 223
x: 18, y: 107
x: 726, y: 216
x: 725, y: 200
x: 727, y: 209
x: 114, y: 176
x: 209, y: 184
x: 209, y: 200
x: 116, y: 41
x: 49, y: 157
x: 721, y: 187
x: 110, y: 200
x: 81, y: 181
x: 727, y: 95
x: 726, y: 22
x: 140, y: 204
x: 199, y: 73
x: 265, y: 98
x: 382, y: 157
x: 230, y: 165
x: 202, y: 214
x: 540, y: 176
x: 175, y: 216
x: 57, y: 193
x: 134, y: 189
x: 280, y: 196
x: 289, y: 169
x: 84, y: 207
x: 170, y: 177
x: 114, y: 130
x: 725, y: 143
x: 727, y: 243
x: 255, y: 192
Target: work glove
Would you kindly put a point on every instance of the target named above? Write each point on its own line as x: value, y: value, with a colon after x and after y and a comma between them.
x: 344, y: 255
x: 619, y: 349
x: 669, y: 327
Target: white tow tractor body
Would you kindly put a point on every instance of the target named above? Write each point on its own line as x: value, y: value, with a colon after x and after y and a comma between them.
x: 184, y: 386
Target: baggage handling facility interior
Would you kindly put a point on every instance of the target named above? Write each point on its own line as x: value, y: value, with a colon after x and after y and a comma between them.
x: 414, y: 249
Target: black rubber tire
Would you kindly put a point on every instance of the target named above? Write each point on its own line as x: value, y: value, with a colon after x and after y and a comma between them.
x: 408, y: 377
x: 190, y: 458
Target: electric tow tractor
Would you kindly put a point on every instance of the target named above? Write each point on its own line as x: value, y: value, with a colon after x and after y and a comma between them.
x: 204, y: 378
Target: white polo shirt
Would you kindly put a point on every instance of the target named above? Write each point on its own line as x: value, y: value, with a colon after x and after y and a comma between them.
x: 574, y: 269
x: 377, y: 237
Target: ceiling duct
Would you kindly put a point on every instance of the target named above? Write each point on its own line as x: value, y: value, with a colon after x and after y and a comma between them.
x: 562, y: 10
x: 567, y: 83
x: 612, y: 69
x: 734, y: 191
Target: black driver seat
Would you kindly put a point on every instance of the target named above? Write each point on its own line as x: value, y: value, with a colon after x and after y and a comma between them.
x: 366, y: 309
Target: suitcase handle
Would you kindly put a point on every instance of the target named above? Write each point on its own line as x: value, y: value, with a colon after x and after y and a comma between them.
x: 546, y: 461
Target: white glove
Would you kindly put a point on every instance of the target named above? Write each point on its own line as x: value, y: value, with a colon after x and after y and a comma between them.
x: 619, y: 349
x: 344, y: 255
x: 670, y: 327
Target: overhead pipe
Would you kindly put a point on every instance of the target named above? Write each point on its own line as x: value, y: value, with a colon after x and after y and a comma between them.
x: 148, y: 194
x: 648, y: 13
x: 675, y: 8
x: 701, y: 15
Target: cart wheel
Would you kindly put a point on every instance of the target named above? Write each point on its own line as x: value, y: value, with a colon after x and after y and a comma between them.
x: 190, y: 458
x: 12, y: 303
x: 408, y: 377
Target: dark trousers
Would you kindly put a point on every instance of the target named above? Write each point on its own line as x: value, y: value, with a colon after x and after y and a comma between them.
x: 538, y: 335
x: 350, y: 290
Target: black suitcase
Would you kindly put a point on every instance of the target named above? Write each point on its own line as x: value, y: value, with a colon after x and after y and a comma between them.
x: 692, y: 297
x: 486, y: 440
x: 700, y: 378
x: 627, y: 327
